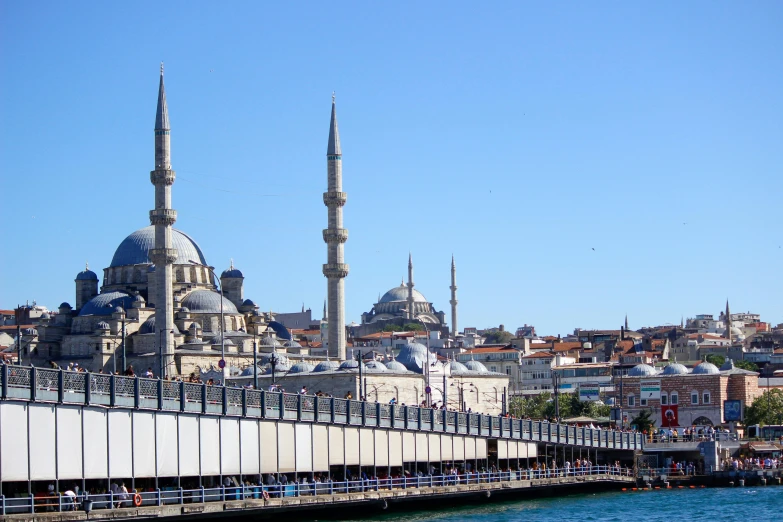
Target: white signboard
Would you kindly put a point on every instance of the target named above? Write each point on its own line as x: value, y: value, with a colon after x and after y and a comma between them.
x: 650, y: 390
x: 589, y: 391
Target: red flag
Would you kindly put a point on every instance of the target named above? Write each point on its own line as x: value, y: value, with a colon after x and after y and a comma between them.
x: 669, y: 416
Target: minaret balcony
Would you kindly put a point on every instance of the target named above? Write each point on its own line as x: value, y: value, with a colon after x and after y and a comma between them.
x: 335, y: 199
x: 335, y: 235
x: 163, y: 216
x: 336, y: 270
x: 162, y: 177
x: 163, y: 256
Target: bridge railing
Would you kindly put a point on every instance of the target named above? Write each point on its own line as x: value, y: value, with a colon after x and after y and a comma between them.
x: 179, y: 496
x: 54, y: 385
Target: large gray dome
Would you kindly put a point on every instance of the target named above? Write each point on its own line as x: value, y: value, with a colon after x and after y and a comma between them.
x: 641, y: 370
x: 135, y: 249
x: 414, y: 356
x: 207, y: 302
x: 705, y: 368
x: 675, y: 369
x: 400, y: 293
x: 104, y: 304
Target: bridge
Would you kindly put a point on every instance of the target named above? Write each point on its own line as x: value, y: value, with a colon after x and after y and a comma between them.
x: 84, y: 431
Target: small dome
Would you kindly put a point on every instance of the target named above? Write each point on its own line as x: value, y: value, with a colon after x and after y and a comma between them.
x: 675, y: 369
x: 231, y: 272
x: 148, y: 326
x: 65, y: 305
x: 301, y: 367
x: 248, y: 302
x: 325, y: 366
x: 396, y: 366
x: 119, y: 310
x: 414, y: 356
x: 103, y: 325
x: 217, y: 340
x: 350, y: 364
x: 86, y: 275
x: 248, y: 372
x: 475, y: 366
x: 208, y: 302
x: 46, y: 315
x: 705, y: 368
x: 184, y: 309
x: 138, y: 298
x: 279, y: 368
x: 103, y: 304
x: 270, y: 341
x: 456, y: 367
x: 641, y: 370
x: 281, y: 359
x: 33, y: 331
x: 727, y: 365
x: 292, y: 344
x: 194, y: 327
x: 375, y: 366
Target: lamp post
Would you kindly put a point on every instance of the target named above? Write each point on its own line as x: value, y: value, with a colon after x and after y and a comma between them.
x: 255, y: 361
x: 556, y: 384
x: 461, y: 388
x: 222, y: 319
x: 427, y: 361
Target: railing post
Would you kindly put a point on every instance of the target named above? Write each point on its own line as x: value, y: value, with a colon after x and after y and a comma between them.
x: 204, y: 401
x: 87, y: 387
x: 160, y: 393
x: 405, y: 419
x: 282, y: 404
x: 378, y: 414
x: 225, y: 400
x: 157, y: 492
x: 33, y: 383
x: 5, y: 396
x: 112, y: 391
x: 32, y: 503
x: 299, y: 408
x: 316, y: 408
x: 263, y: 404
x: 392, y: 417
x: 136, y: 393
x: 331, y: 408
x: 364, y: 413
x: 244, y: 402
x: 182, y: 396
x: 419, y: 427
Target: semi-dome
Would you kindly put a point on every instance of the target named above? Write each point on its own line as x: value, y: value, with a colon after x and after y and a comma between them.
x: 400, y: 293
x: 414, y: 357
x: 641, y: 370
x: 456, y: 367
x: 86, y: 275
x: 675, y: 369
x: 104, y: 304
x: 208, y: 302
x: 705, y: 368
x: 374, y: 366
x: 301, y: 367
x: 325, y: 366
x: 475, y: 366
x: 135, y: 249
x: 396, y: 366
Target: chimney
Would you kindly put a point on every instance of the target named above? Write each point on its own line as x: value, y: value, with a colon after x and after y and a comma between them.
x: 502, y: 328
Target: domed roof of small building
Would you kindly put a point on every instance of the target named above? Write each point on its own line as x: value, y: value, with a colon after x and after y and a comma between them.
x: 135, y: 249
x: 456, y: 366
x: 400, y: 293
x: 184, y: 309
x: 727, y: 365
x: 30, y: 331
x: 705, y: 368
x: 208, y: 302
x: 281, y: 359
x: 103, y: 325
x: 104, y: 304
x: 396, y: 366
x: 325, y: 366
x: 138, y: 298
x: 674, y: 368
x: 374, y: 366
x: 194, y: 326
x: 302, y: 367
x: 642, y: 370
x: 119, y: 310
x: 350, y: 364
x: 292, y: 344
x: 475, y: 366
x: 218, y: 340
x: 231, y: 272
x: 86, y: 275
x: 414, y: 357
x: 270, y: 341
x: 279, y: 367
x: 64, y: 305
x: 248, y: 302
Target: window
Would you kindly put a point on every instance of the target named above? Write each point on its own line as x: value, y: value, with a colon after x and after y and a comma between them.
x: 642, y: 402
x: 675, y: 399
x: 508, y: 370
x: 664, y: 399
x: 694, y: 398
x: 706, y: 397
x: 493, y: 368
x: 631, y: 401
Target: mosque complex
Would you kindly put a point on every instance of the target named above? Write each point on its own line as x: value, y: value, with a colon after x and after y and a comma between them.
x: 162, y: 306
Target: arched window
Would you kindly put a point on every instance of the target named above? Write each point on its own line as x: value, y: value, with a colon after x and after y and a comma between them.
x: 631, y: 401
x: 674, y: 398
x: 705, y: 397
x: 694, y: 398
x: 664, y: 399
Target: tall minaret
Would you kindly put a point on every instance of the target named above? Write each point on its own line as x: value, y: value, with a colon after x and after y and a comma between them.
x: 453, y: 301
x: 335, y: 236
x: 163, y: 217
x: 728, y: 322
x: 411, y: 311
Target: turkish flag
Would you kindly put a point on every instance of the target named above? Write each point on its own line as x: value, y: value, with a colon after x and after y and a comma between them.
x: 669, y: 416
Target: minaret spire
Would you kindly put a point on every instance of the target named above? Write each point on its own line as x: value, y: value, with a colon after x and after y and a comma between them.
x: 728, y: 322
x: 453, y: 301
x: 162, y: 218
x: 626, y: 322
x: 335, y: 236
x: 411, y: 311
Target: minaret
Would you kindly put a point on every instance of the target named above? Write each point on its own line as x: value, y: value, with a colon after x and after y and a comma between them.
x: 728, y: 322
x: 335, y: 236
x: 626, y: 322
x: 453, y: 301
x: 411, y: 311
x: 163, y: 217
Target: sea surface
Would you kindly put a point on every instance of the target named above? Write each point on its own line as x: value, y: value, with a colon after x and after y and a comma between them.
x: 759, y: 504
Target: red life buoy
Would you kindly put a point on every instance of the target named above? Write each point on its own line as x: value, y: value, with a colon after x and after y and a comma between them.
x: 137, y: 500
x: 265, y: 494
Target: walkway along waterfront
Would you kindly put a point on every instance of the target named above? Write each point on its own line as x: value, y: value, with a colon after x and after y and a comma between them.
x: 81, y: 432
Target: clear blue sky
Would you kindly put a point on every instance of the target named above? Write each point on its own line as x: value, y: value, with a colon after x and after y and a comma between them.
x: 517, y: 136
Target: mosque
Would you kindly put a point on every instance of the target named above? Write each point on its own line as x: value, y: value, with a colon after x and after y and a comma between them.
x: 160, y: 307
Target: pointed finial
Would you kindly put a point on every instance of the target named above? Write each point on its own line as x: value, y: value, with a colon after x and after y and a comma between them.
x: 333, y: 96
x: 161, y: 68
x: 232, y: 264
x: 86, y: 265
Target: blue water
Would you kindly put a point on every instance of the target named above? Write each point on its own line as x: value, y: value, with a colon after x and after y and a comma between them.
x: 759, y: 504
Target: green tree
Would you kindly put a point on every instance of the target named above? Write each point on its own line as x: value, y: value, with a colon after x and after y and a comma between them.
x: 643, y: 421
x: 767, y: 409
x: 746, y: 365
x: 413, y: 327
x: 392, y: 328
x: 498, y: 337
x: 716, y: 359
x: 535, y: 407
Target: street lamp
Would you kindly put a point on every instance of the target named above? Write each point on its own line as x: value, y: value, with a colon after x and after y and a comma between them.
x: 556, y: 384
x: 427, y: 362
x: 461, y: 388
x: 222, y: 319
